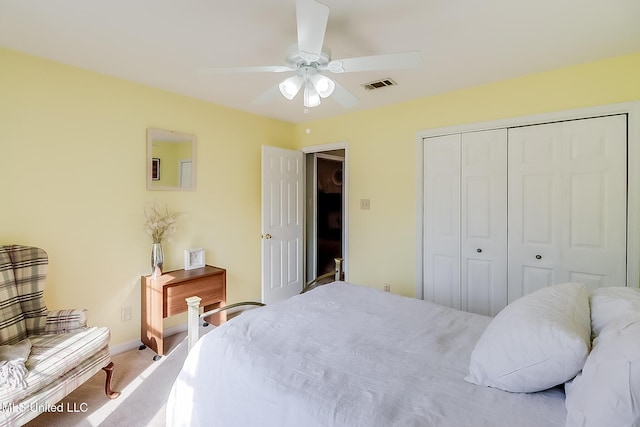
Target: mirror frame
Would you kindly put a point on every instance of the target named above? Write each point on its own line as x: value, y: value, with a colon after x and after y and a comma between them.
x: 154, y: 134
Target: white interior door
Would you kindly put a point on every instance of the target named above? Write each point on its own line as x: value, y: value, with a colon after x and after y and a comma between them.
x: 567, y: 204
x: 484, y: 222
x: 282, y: 223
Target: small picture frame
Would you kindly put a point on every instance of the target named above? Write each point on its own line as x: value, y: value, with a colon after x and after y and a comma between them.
x: 193, y: 258
x: 155, y: 169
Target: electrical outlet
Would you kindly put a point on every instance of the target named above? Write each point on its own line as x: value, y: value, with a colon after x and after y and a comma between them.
x: 365, y: 204
x: 387, y: 287
x: 125, y: 314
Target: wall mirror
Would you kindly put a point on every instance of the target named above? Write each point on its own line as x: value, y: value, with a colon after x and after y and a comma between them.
x: 171, y: 160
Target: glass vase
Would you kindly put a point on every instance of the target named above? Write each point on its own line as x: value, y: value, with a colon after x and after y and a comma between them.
x: 157, y: 260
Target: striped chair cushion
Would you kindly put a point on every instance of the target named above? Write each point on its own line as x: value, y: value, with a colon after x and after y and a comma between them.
x: 30, y: 266
x: 12, y: 321
x: 38, y: 402
x: 52, y: 356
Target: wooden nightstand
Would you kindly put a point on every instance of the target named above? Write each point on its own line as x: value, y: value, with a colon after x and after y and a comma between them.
x: 164, y: 296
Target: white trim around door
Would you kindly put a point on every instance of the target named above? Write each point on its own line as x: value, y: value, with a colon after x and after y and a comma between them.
x: 345, y: 184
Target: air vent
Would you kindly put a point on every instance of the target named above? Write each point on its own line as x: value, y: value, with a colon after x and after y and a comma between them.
x: 379, y: 84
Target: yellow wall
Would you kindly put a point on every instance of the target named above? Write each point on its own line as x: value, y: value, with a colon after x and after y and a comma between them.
x: 72, y: 152
x: 382, y: 149
x: 72, y: 157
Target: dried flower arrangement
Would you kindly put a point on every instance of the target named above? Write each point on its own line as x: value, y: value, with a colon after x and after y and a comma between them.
x: 160, y: 224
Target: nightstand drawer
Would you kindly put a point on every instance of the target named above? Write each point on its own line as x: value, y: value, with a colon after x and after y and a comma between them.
x: 210, y: 289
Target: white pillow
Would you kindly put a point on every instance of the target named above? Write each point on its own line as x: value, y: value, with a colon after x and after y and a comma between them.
x: 536, y: 342
x: 607, y: 393
x: 608, y: 305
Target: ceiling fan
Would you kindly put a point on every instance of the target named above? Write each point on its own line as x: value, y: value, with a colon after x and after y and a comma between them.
x: 309, y: 60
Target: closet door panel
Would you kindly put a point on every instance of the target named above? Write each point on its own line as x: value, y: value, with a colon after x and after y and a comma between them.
x: 479, y: 290
x: 441, y: 262
x: 445, y: 279
x: 483, y: 221
x: 535, y: 200
x: 594, y: 197
x: 533, y: 278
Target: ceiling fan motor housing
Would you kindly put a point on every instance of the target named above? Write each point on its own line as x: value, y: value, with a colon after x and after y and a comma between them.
x: 308, y: 65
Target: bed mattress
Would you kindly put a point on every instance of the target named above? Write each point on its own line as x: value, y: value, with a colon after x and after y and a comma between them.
x: 347, y: 355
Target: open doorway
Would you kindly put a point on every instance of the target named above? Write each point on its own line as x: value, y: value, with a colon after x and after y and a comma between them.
x: 325, y: 225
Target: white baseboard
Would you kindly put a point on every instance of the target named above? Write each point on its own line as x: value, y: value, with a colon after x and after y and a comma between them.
x: 130, y: 345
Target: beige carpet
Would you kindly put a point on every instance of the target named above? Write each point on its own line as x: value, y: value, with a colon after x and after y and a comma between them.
x: 144, y: 385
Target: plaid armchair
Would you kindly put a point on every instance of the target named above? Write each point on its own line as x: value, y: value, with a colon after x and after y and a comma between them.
x: 62, y: 352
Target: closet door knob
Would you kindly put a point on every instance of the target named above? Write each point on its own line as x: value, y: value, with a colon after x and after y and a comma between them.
x: 538, y: 256
x: 478, y: 250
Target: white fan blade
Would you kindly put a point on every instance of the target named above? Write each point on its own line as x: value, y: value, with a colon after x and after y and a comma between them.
x: 312, y: 20
x: 250, y: 69
x: 267, y: 96
x: 343, y: 97
x: 391, y: 61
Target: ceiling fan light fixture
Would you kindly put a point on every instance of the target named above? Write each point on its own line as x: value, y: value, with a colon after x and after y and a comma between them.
x: 323, y: 85
x: 311, y: 96
x: 290, y: 87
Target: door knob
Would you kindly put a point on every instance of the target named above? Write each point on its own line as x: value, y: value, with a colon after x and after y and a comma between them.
x: 478, y: 250
x: 267, y: 236
x: 538, y: 256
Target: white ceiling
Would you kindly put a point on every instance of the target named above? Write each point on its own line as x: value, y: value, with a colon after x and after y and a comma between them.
x: 463, y: 43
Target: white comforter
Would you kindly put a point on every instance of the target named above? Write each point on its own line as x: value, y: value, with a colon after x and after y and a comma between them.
x: 345, y: 355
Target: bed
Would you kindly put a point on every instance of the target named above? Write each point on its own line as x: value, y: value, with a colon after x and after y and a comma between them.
x: 348, y: 355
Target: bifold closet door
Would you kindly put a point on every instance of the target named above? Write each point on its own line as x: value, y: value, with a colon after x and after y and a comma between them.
x: 465, y: 221
x: 567, y: 204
